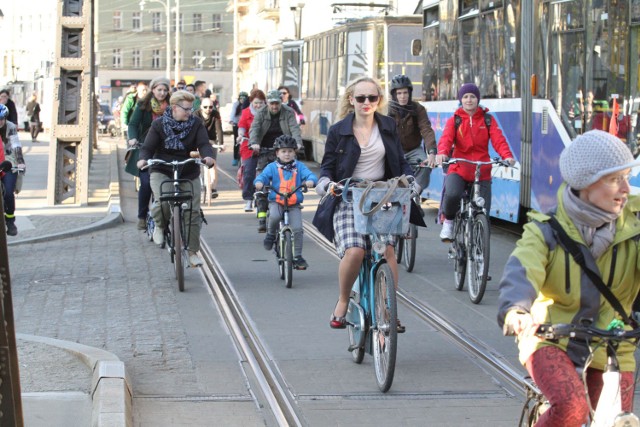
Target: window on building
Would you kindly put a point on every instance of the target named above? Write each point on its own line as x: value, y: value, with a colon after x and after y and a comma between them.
x: 198, y: 59
x: 136, y: 58
x: 173, y: 59
x: 117, y: 58
x: 216, y: 20
x: 137, y: 21
x: 197, y: 22
x: 117, y: 20
x: 216, y: 59
x: 180, y: 25
x: 155, y: 58
x: 156, y: 22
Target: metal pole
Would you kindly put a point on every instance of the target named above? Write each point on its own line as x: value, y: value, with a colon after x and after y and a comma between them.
x: 168, y: 10
x: 177, y: 65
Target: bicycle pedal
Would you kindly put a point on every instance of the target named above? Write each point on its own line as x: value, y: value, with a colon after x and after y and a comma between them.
x: 488, y: 278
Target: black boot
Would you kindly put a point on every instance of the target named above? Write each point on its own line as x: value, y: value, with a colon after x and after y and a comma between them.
x: 262, y: 225
x: 12, y: 230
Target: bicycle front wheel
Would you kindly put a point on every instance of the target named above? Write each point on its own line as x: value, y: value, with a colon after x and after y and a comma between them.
x: 288, y: 259
x: 478, y: 258
x: 177, y: 246
x: 385, y: 333
x: 410, y: 248
x: 459, y: 253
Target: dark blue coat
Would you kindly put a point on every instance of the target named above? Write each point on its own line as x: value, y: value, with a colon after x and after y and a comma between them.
x: 341, y: 154
x: 342, y: 151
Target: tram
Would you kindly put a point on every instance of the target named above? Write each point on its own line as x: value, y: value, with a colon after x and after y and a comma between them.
x: 318, y: 68
x: 548, y: 70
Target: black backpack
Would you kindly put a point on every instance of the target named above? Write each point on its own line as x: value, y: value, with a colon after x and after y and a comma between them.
x: 458, y: 121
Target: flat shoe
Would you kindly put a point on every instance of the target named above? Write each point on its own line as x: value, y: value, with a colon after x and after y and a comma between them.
x: 400, y: 327
x: 338, y: 322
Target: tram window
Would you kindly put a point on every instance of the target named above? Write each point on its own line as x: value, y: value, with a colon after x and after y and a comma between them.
x: 569, y: 15
x: 468, y: 6
x: 431, y: 16
x: 469, y: 48
x: 490, y: 4
x: 635, y: 11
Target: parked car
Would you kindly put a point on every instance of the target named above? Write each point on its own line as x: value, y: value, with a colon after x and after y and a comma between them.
x: 106, y: 121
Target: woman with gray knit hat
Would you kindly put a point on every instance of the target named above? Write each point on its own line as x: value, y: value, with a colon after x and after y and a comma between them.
x: 543, y: 284
x: 466, y: 135
x: 149, y: 108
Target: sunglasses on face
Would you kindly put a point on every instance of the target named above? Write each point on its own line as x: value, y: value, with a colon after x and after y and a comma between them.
x: 207, y: 107
x: 361, y: 98
x: 284, y: 93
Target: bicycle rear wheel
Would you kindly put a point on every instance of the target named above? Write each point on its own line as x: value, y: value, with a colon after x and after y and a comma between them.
x: 385, y: 333
x: 409, y: 244
x: 288, y: 259
x: 176, y: 233
x: 459, y: 253
x: 478, y: 258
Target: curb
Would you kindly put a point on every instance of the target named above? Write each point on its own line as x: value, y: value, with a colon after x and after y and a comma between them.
x: 110, y: 388
x: 114, y: 213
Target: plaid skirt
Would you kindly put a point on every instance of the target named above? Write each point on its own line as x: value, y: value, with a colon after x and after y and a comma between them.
x: 346, y: 237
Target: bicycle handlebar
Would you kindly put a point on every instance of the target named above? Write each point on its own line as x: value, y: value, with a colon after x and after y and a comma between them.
x: 584, y: 332
x: 268, y: 188
x: 496, y: 161
x: 173, y: 163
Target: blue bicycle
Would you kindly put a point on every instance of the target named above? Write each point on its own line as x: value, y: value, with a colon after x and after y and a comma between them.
x: 372, y: 315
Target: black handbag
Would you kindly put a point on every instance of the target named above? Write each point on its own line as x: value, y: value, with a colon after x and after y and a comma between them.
x: 572, y: 247
x: 323, y: 218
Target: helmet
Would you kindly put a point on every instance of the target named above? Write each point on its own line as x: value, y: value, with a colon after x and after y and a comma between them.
x: 399, y: 81
x: 241, y: 94
x: 4, y: 111
x: 285, y: 141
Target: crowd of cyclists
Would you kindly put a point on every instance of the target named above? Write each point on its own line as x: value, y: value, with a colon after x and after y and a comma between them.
x: 379, y: 136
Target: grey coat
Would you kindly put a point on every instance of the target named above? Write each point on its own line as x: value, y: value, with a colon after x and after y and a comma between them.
x: 262, y: 121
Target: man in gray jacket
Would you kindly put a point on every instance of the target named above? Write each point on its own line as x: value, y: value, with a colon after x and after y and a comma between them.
x: 268, y: 124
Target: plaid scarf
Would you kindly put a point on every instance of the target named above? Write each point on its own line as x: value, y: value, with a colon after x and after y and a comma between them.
x: 175, y: 131
x: 289, y: 166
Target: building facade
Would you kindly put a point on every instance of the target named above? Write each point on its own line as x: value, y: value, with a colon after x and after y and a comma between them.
x: 136, y: 41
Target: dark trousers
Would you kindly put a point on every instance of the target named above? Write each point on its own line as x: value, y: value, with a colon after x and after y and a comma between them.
x: 454, y: 188
x: 144, y: 194
x: 9, y: 182
x: 248, y: 177
x: 236, y: 146
x: 34, y: 127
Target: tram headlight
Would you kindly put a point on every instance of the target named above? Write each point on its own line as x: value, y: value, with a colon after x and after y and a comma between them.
x: 479, y: 201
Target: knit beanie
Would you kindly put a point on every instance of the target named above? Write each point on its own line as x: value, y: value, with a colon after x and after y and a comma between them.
x: 468, y: 88
x: 160, y: 81
x: 591, y: 156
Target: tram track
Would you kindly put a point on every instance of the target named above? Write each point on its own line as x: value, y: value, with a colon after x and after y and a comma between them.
x: 274, y: 394
x: 483, y: 353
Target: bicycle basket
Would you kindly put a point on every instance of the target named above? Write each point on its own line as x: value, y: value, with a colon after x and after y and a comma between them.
x: 381, y: 208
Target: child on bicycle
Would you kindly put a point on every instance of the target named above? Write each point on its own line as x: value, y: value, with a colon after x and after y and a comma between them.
x: 285, y: 174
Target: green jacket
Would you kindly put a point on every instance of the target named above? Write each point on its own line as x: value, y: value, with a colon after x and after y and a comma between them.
x: 139, y: 124
x: 128, y: 106
x: 262, y: 121
x: 543, y: 279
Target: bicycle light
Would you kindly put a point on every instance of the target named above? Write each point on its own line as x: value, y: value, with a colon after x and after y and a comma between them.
x: 479, y: 201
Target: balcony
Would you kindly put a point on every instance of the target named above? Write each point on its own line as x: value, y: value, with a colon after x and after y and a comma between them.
x: 269, y: 9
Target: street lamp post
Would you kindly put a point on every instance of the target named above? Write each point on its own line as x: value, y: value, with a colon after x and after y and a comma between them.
x: 297, y: 11
x: 177, y: 65
x: 168, y: 17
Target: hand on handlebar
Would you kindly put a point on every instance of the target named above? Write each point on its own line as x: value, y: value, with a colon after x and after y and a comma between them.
x: 440, y: 158
x: 259, y: 186
x: 430, y: 161
x: 309, y: 184
x: 141, y: 164
x: 518, y: 321
x: 511, y: 161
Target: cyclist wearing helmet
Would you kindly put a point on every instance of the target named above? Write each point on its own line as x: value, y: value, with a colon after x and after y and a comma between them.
x: 236, y: 112
x: 413, y: 127
x: 285, y: 174
x: 268, y: 124
x: 13, y: 153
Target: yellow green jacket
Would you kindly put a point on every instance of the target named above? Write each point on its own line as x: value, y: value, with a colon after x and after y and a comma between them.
x: 541, y: 278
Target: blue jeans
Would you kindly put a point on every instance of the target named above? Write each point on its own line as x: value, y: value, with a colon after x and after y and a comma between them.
x: 9, y: 182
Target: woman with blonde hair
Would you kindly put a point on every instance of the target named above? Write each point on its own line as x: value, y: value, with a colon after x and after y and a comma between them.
x: 363, y: 144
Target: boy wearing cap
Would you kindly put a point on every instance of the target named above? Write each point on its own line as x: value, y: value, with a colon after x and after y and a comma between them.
x: 268, y: 124
x: 542, y: 283
x: 466, y: 135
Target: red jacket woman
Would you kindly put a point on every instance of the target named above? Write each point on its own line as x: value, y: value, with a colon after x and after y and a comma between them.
x: 466, y: 135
